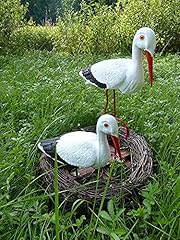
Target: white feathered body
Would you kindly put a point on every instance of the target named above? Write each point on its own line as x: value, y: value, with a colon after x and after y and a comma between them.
x: 82, y: 149
x: 123, y: 74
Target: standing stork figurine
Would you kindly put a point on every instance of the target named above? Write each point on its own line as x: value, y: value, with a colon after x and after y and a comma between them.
x: 124, y: 74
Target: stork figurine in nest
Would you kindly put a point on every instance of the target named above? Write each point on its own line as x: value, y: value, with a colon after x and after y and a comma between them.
x: 85, y: 149
x: 124, y: 74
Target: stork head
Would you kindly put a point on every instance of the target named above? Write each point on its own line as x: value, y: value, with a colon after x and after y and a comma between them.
x: 145, y: 39
x: 108, y: 125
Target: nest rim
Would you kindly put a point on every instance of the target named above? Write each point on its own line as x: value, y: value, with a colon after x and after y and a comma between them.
x: 72, y: 189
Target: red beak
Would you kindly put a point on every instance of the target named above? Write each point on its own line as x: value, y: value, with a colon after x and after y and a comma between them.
x: 150, y: 66
x: 116, y: 145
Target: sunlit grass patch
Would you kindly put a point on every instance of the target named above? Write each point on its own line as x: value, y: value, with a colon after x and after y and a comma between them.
x: 42, y: 95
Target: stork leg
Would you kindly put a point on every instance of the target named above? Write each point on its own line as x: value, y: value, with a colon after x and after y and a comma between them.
x: 114, y: 110
x: 107, y: 99
x: 114, y: 102
x: 119, y: 119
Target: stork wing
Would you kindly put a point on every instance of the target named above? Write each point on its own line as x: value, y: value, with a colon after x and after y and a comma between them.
x: 78, y: 149
x: 111, y: 72
x: 48, y: 147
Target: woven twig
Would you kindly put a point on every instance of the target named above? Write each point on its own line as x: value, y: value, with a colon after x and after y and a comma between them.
x: 73, y: 188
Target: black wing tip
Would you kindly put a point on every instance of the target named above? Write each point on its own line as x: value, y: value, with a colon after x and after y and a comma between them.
x: 86, y: 70
x: 48, y: 146
x: 87, y: 74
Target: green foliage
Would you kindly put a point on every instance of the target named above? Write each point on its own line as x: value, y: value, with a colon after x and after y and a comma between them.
x: 162, y: 16
x: 11, y: 16
x: 75, y: 5
x: 42, y: 96
x: 111, y: 224
x: 92, y: 31
x: 33, y: 38
x: 99, y: 28
x: 158, y: 214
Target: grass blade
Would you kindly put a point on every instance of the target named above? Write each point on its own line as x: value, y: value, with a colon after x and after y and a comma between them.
x: 56, y: 198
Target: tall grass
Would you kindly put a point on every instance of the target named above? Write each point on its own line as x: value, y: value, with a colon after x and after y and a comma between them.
x: 41, y: 95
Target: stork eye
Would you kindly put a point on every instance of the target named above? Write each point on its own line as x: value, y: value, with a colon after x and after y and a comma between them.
x: 106, y: 125
x: 141, y: 37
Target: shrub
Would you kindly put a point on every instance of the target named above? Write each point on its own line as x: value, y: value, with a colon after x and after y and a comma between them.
x: 72, y: 34
x: 34, y: 38
x: 105, y: 34
x: 106, y: 29
x: 162, y: 16
x: 11, y: 16
x: 92, y: 31
x: 102, y: 29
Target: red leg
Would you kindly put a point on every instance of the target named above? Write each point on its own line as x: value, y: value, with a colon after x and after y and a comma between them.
x: 125, y: 126
x: 119, y: 119
x: 114, y: 102
x: 114, y: 111
x: 106, y: 104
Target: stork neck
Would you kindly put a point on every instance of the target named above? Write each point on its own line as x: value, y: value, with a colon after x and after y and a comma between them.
x: 103, y: 145
x: 102, y: 138
x: 136, y: 54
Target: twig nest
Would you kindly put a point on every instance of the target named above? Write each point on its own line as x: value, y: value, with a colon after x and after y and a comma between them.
x: 126, y: 177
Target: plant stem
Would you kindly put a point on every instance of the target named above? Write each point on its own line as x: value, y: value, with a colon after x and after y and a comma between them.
x: 104, y: 195
x: 56, y: 197
x: 94, y: 203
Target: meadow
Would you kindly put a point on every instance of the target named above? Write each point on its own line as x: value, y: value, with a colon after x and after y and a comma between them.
x: 42, y: 95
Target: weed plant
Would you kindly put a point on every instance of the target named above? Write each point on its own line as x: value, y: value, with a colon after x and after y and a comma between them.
x: 41, y: 95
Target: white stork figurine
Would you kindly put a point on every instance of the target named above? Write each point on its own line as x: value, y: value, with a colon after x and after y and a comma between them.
x: 85, y: 149
x: 124, y: 74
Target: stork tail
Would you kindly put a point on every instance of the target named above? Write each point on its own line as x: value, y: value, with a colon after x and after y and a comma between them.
x: 48, y: 146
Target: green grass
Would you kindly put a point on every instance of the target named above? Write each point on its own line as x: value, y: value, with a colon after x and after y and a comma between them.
x: 42, y: 95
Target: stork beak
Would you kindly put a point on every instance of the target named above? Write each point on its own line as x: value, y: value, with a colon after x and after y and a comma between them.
x: 115, y: 140
x: 149, y: 57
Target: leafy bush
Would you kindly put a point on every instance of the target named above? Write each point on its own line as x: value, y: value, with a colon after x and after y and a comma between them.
x: 11, y: 16
x: 105, y: 29
x: 33, y: 38
x: 102, y: 29
x: 92, y: 31
x: 162, y: 16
